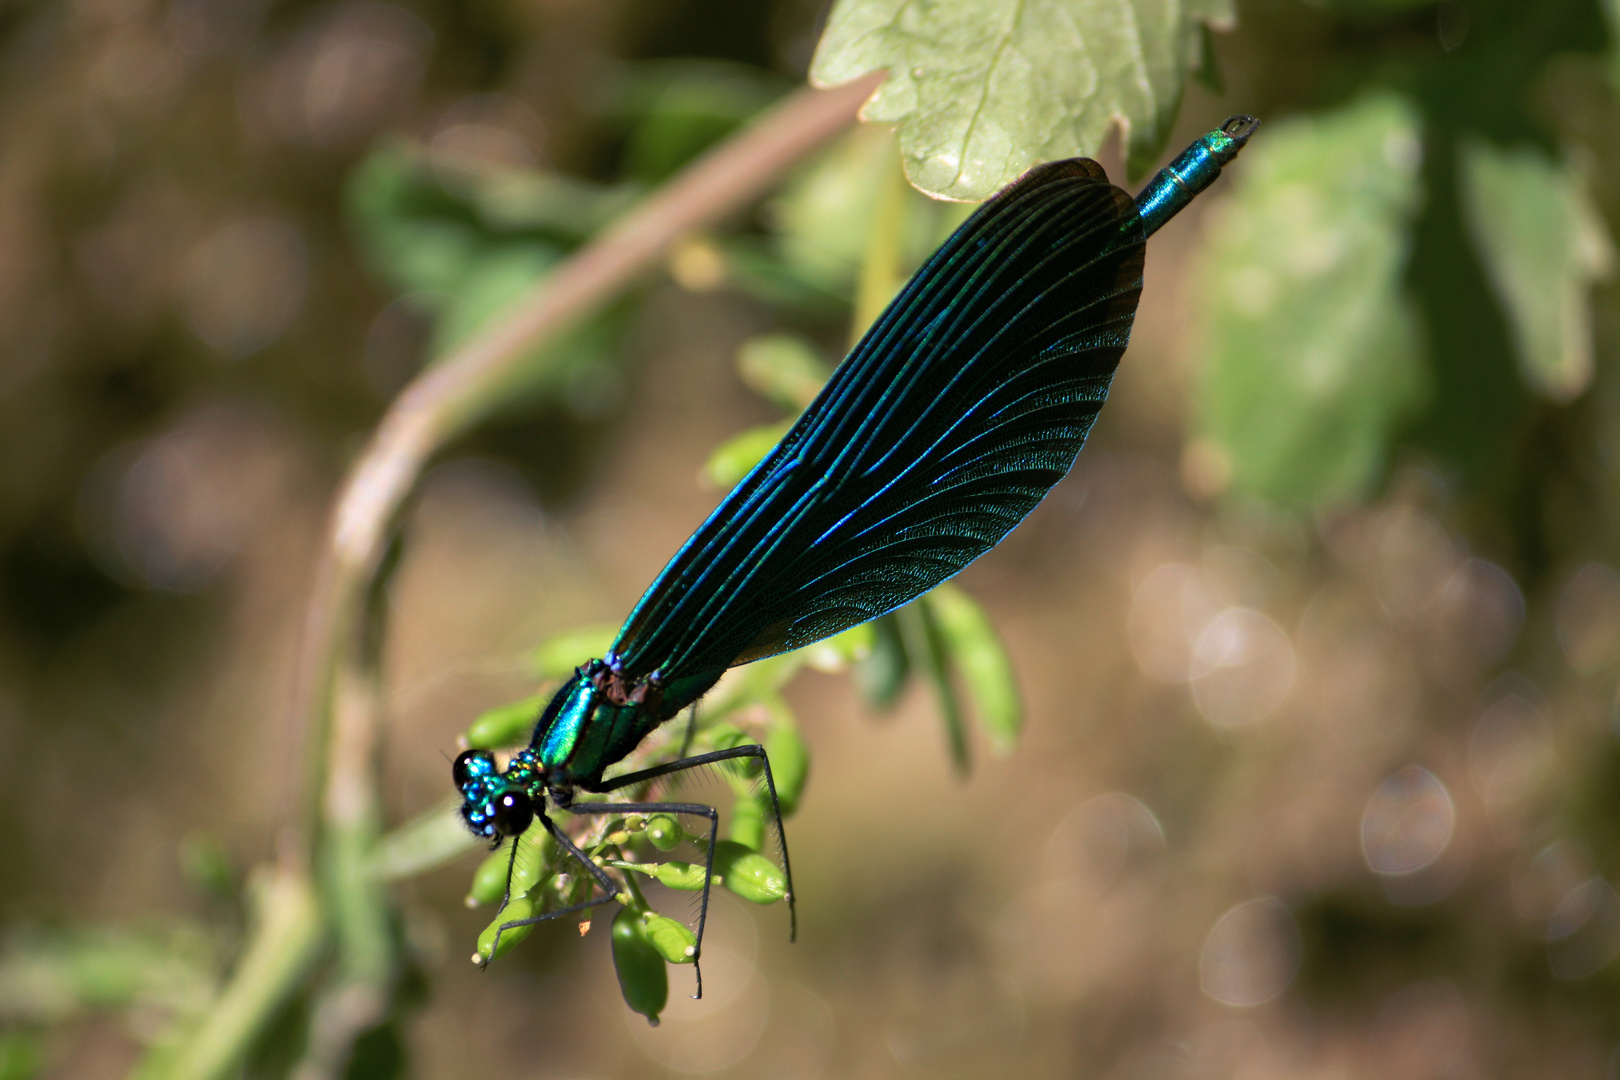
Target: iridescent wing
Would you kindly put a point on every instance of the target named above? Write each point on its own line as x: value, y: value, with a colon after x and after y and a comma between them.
x: 947, y: 424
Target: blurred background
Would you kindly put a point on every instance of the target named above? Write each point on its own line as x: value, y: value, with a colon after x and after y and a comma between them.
x: 1317, y: 646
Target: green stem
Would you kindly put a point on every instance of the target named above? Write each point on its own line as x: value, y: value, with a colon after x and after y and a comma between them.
x: 282, y: 948
x: 638, y: 902
x: 880, y: 264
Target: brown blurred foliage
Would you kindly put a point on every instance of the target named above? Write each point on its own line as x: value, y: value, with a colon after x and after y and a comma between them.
x: 1322, y: 795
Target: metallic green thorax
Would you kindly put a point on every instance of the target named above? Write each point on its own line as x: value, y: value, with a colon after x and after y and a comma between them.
x: 593, y: 721
x: 597, y: 718
x: 1175, y: 185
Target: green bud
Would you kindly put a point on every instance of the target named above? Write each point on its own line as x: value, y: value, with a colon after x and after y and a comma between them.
x: 748, y: 873
x: 643, y: 979
x: 664, y: 832
x: 687, y: 877
x: 489, y: 880
x: 520, y: 908
x: 557, y: 657
x: 531, y: 858
x: 674, y: 875
x: 674, y: 942
x: 748, y: 821
x: 504, y: 725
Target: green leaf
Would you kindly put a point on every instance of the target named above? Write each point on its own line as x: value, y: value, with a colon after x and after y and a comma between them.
x: 983, y: 89
x: 733, y: 458
x: 977, y: 656
x: 421, y: 844
x: 493, y: 942
x: 925, y: 648
x: 413, y: 235
x: 465, y: 246
x: 674, y: 941
x: 748, y: 874
x: 881, y: 674
x: 790, y: 759
x: 1207, y: 71
x: 207, y: 866
x: 548, y: 203
x: 489, y: 880
x: 490, y: 283
x: 1543, y: 246
x: 528, y: 872
x: 784, y: 368
x: 684, y: 107
x: 1310, y: 353
x: 558, y: 656
x: 506, y: 725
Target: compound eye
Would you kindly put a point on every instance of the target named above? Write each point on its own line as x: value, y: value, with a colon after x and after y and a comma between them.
x: 470, y: 764
x: 513, y: 812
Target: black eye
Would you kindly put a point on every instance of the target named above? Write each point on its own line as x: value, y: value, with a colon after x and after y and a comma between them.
x: 513, y: 812
x: 471, y: 763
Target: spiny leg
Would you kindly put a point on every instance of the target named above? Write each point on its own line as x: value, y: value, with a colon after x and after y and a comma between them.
x: 753, y: 751
x: 691, y: 730
x: 511, y: 865
x: 697, y: 809
x: 580, y: 857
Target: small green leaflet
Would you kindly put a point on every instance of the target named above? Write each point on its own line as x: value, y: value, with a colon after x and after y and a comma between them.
x: 1543, y: 246
x: 983, y: 89
x: 1310, y: 352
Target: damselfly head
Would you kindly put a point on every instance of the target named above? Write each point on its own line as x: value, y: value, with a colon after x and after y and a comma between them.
x: 470, y: 765
x: 492, y: 804
x: 512, y: 812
